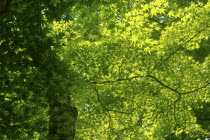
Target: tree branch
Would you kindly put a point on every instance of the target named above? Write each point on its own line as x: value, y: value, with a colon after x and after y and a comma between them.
x: 196, y: 89
x: 175, y: 103
x: 176, y: 91
x: 164, y: 85
x: 107, y: 110
x: 178, y: 49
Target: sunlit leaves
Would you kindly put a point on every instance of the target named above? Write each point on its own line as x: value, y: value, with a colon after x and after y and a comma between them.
x: 136, y: 75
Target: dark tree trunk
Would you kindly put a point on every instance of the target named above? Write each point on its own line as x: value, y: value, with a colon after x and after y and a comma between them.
x: 62, y: 122
x: 62, y: 114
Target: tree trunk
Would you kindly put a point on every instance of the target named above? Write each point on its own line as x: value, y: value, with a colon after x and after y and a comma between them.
x: 62, y: 121
x: 62, y: 114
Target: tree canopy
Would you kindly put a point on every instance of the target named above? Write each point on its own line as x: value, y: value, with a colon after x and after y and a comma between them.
x: 108, y: 69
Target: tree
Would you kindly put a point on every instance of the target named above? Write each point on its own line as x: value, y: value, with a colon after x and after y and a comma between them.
x: 107, y: 69
x: 33, y: 91
x: 142, y: 77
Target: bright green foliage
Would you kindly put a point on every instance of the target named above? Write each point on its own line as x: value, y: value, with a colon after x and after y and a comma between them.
x: 134, y: 69
x: 142, y: 78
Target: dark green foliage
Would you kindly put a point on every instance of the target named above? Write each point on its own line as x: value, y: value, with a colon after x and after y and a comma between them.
x: 203, y: 116
x: 26, y: 66
x: 201, y: 53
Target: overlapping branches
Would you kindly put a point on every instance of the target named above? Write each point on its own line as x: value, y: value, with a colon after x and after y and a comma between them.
x: 159, y: 81
x: 176, y: 91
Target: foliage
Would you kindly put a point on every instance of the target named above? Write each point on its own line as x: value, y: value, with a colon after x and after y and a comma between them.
x: 140, y: 70
x: 133, y: 70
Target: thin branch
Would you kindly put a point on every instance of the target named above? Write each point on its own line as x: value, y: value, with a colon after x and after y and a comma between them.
x: 164, y: 85
x: 107, y: 110
x: 99, y: 100
x: 175, y: 103
x: 178, y: 85
x: 196, y: 89
x: 176, y: 91
x: 174, y: 52
x: 166, y: 59
x: 179, y: 98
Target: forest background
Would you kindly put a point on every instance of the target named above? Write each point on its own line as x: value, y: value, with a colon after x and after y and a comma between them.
x: 104, y: 69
